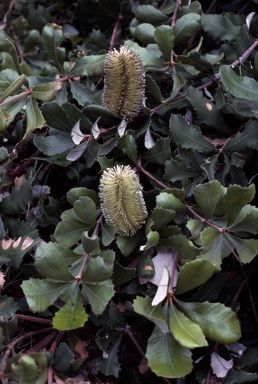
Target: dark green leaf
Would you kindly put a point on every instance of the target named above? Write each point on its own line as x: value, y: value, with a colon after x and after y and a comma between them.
x: 206, y: 110
x: 145, y: 33
x: 52, y: 38
x: 219, y: 26
x: 56, y: 117
x: 150, y: 14
x: 159, y: 153
x: 242, y: 140
x: 53, y: 145
x: 18, y: 200
x: 187, y: 136
x: 128, y: 145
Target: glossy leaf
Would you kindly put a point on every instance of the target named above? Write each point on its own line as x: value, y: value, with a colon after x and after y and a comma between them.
x: 172, y: 361
x: 45, y: 92
x: 193, y: 274
x: 85, y: 209
x: 145, y: 33
x: 218, y: 323
x: 53, y: 145
x: 128, y: 145
x: 89, y: 66
x: 186, y: 332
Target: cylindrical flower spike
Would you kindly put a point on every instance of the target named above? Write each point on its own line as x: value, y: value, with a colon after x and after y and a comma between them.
x: 124, y: 82
x: 122, y: 200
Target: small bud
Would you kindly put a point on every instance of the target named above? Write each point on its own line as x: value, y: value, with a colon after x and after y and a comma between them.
x: 124, y: 82
x: 121, y: 200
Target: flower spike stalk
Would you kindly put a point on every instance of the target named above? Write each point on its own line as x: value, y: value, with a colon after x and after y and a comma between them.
x: 121, y: 200
x: 124, y: 82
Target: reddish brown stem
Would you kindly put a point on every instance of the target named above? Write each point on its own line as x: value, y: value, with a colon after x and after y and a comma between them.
x: 174, y: 17
x: 34, y: 319
x: 113, y: 37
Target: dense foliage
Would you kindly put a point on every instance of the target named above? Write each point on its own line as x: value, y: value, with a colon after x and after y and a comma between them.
x: 165, y: 292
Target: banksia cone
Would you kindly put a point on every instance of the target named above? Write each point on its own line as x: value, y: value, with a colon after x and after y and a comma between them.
x: 124, y: 82
x: 121, y: 200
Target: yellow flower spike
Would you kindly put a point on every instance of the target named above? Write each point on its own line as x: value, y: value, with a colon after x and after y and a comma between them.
x: 124, y: 82
x: 122, y: 200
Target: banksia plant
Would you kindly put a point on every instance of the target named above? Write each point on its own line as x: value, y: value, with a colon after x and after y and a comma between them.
x: 121, y: 200
x: 124, y: 82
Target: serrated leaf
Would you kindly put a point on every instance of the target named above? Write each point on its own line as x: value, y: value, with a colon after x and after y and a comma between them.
x: 160, y: 152
x: 208, y: 196
x: 218, y: 323
x: 149, y: 61
x: 40, y: 294
x: 18, y: 200
x: 185, y: 26
x: 122, y: 275
x: 172, y: 361
x: 35, y: 118
x: 97, y: 270
x: 109, y: 365
x: 219, y: 365
x: 242, y: 140
x: 219, y: 26
x: 63, y: 357
x: 81, y: 93
x: 206, y: 110
x: 186, y: 332
x: 187, y: 136
x: 71, y: 315
x: 243, y: 87
x: 127, y: 244
x: 237, y: 376
x: 164, y: 37
x: 89, y: 66
x: 248, y: 223
x: 193, y: 274
x: 85, y: 209
x: 45, y: 92
x: 12, y: 251
x: 214, y: 248
x: 143, y: 306
x: 247, y: 249
x: 174, y: 171
x: 161, y: 217
x: 152, y: 240
x: 128, y: 145
x: 52, y: 38
x: 98, y: 295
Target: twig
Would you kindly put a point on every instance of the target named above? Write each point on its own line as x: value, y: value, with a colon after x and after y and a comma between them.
x: 112, y: 41
x: 34, y: 319
x: 43, y: 343
x: 16, y: 341
x: 173, y: 20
